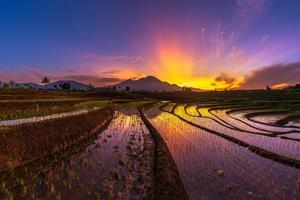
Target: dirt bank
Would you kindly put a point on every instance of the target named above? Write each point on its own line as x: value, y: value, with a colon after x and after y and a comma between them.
x: 27, y: 142
x: 168, y: 184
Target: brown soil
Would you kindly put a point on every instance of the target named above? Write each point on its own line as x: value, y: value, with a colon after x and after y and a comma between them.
x: 168, y: 184
x: 27, y: 142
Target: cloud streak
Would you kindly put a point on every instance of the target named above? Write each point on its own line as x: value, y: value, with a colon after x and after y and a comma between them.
x: 248, y: 11
x: 114, y: 58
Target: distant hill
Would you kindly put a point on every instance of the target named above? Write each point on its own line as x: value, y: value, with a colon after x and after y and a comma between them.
x: 57, y: 85
x: 149, y: 83
x: 29, y: 86
x: 66, y: 84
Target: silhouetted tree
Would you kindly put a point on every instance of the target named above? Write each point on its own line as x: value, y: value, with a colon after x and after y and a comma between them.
x: 11, y: 83
x: 91, y: 87
x: 268, y: 87
x: 127, y: 88
x: 114, y: 88
x: 297, y: 86
x: 45, y: 80
x: 5, y: 85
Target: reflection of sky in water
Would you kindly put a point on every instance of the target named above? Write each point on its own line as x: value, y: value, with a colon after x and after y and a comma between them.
x: 109, y: 165
x: 199, y: 155
x: 275, y: 144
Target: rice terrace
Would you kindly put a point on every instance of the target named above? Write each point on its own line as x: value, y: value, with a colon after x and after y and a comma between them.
x: 95, y: 145
x: 149, y: 100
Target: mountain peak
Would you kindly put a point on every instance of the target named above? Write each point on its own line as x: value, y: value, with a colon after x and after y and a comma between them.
x: 150, y: 78
x: 149, y: 83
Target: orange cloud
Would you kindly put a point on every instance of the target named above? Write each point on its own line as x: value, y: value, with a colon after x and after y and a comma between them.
x: 280, y: 86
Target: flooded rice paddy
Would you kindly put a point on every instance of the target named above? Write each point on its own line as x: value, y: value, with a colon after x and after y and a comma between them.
x: 275, y: 144
x: 214, y: 149
x: 212, y: 167
x: 116, y: 164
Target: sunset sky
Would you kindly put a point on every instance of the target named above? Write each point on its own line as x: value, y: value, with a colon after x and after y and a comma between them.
x: 209, y: 44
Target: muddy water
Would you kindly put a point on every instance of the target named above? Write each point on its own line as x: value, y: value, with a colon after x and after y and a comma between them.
x: 205, y: 113
x: 269, y: 119
x: 293, y: 136
x: 241, y: 115
x: 117, y: 164
x: 273, y: 118
x: 214, y: 168
x: 294, y: 123
x: 277, y: 145
x: 222, y: 114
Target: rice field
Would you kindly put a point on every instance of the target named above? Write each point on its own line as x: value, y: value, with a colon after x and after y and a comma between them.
x: 213, y: 167
x: 111, y: 166
x: 89, y: 148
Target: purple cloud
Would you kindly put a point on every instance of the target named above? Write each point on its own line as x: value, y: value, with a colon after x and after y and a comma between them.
x: 273, y: 75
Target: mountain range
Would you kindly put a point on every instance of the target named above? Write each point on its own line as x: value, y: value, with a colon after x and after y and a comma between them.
x: 149, y: 83
x: 62, y: 84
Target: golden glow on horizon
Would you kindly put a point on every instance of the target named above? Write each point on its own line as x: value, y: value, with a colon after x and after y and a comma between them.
x: 178, y: 66
x: 174, y: 65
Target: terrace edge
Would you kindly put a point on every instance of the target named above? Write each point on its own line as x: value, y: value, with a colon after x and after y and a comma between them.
x: 60, y: 134
x: 168, y: 184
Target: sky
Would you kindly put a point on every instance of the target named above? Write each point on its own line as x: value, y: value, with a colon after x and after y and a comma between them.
x: 208, y: 44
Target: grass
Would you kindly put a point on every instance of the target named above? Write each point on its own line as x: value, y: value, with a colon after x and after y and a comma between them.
x: 19, y: 111
x: 92, y: 104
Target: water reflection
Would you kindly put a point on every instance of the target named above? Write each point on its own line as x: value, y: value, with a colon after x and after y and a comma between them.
x: 214, y: 168
x: 115, y: 164
x: 278, y: 145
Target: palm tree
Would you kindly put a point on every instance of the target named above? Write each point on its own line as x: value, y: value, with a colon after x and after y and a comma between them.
x: 45, y: 80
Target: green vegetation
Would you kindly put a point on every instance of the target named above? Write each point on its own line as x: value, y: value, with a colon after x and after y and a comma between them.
x: 43, y: 108
x: 93, y: 104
